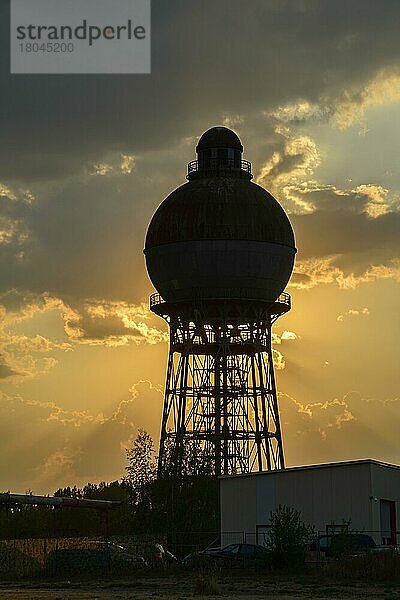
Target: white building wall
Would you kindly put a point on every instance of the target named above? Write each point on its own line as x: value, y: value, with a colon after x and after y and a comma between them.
x: 385, y: 485
x: 238, y: 501
x: 328, y: 495
x: 325, y: 494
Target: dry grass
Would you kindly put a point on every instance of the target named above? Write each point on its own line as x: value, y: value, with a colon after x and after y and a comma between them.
x: 374, y: 568
x: 295, y: 593
x: 206, y: 584
x: 373, y: 577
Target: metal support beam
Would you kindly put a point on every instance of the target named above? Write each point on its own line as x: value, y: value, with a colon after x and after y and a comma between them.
x: 220, y: 404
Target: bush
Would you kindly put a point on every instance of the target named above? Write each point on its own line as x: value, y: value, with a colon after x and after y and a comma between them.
x: 288, y: 537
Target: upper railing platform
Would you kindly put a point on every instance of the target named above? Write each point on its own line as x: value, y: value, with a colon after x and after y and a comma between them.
x: 220, y: 164
x: 281, y: 305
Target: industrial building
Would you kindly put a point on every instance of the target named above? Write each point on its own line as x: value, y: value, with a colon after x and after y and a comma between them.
x: 360, y: 495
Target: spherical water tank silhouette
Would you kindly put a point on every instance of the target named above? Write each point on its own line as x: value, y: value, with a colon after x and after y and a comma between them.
x: 219, y: 235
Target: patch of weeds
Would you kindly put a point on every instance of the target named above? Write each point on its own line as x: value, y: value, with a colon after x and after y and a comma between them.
x: 327, y: 591
x: 207, y: 585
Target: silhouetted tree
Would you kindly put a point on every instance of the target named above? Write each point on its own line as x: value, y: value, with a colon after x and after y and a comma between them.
x: 69, y: 492
x: 195, y: 461
x: 171, y: 503
x: 141, y: 469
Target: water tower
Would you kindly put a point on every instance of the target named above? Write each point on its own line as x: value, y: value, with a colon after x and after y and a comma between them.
x: 220, y: 251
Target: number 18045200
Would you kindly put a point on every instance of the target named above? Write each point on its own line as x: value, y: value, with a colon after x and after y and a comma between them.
x: 46, y: 47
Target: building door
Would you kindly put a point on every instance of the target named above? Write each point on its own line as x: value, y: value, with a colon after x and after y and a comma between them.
x: 388, y: 522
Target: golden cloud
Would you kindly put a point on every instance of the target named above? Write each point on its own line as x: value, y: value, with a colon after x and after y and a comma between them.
x: 232, y: 121
x: 279, y: 361
x: 287, y: 168
x: 289, y: 335
x: 301, y: 110
x: 101, y: 322
x: 376, y: 205
x: 100, y: 169
x: 322, y: 415
x: 316, y: 271
x: 94, y: 322
x: 122, y: 164
x: 383, y: 88
x: 353, y: 312
x: 345, y: 110
x: 127, y: 165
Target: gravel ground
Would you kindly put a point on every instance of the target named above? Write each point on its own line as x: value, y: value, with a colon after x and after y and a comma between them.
x: 240, y: 589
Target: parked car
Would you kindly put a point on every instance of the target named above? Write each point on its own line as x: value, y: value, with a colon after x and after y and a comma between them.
x: 119, y: 554
x: 95, y: 557
x: 343, y: 543
x: 231, y: 554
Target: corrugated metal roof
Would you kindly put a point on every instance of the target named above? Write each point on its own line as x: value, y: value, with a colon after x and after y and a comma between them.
x: 316, y: 466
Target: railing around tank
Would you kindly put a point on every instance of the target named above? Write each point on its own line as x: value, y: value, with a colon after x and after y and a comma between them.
x: 156, y: 299
x: 284, y: 298
x: 220, y: 164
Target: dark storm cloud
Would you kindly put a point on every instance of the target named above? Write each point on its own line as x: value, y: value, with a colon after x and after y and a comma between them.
x: 81, y: 240
x: 85, y: 240
x: 208, y: 58
x: 341, y: 224
x: 325, y: 233
x: 349, y: 242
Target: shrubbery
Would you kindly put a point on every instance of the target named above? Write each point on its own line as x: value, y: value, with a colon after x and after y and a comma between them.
x: 288, y: 538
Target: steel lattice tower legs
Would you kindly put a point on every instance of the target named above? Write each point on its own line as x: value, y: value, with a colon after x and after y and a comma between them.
x: 220, y: 407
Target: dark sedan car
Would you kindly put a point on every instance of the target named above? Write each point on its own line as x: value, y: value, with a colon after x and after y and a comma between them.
x: 231, y: 554
x: 96, y: 557
x: 343, y: 543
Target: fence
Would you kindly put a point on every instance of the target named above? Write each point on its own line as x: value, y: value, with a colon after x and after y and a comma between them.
x: 379, y: 539
x: 183, y: 543
x: 37, y: 557
x: 63, y: 555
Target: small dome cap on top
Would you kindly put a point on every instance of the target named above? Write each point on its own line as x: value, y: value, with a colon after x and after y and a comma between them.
x: 219, y: 137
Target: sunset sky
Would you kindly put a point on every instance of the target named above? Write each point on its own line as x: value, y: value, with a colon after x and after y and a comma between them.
x: 312, y: 87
